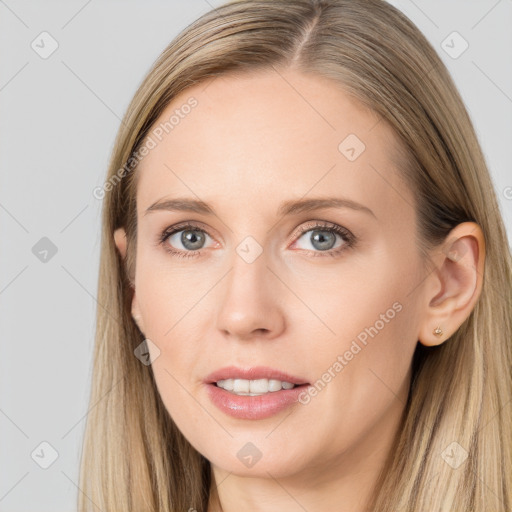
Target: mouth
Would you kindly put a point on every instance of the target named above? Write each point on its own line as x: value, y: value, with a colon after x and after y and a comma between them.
x: 254, y: 381
x: 255, y: 393
x: 254, y: 387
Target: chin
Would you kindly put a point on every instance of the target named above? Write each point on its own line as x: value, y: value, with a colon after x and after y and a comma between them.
x: 263, y: 459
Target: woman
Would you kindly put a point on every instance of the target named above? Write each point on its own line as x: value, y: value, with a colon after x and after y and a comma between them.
x: 305, y: 282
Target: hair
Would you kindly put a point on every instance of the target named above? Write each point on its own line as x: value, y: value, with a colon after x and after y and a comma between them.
x: 134, y: 457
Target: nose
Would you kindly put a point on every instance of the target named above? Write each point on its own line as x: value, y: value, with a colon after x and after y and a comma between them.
x: 252, y: 300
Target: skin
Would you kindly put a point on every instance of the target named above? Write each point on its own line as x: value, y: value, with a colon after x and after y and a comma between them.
x: 251, y: 143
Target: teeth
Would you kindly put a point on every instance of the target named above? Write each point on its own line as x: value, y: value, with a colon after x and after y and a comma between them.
x: 253, y: 387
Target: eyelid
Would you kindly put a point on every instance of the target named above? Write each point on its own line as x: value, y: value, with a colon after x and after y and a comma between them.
x: 318, y: 225
x: 180, y: 226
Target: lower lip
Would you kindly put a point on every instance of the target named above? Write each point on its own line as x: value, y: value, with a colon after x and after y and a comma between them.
x: 254, y: 407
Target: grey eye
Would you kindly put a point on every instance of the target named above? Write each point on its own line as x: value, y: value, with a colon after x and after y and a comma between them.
x: 190, y: 239
x: 320, y: 239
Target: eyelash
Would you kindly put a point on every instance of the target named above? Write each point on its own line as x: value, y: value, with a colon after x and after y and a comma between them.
x: 345, y: 234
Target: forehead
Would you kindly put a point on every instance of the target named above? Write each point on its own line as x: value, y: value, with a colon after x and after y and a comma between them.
x: 260, y: 138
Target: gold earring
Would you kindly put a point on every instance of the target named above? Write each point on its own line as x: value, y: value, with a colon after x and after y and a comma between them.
x: 437, y: 331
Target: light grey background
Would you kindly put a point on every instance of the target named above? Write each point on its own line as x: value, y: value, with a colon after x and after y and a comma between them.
x: 58, y: 120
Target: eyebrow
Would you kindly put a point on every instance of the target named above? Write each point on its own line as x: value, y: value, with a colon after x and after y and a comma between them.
x: 289, y: 207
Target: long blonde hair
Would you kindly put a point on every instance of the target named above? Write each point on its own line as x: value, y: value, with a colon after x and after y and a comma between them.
x: 134, y: 457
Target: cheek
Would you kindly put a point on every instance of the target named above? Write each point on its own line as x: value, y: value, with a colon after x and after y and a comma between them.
x: 170, y: 300
x: 369, y: 331
x: 362, y: 375
x: 167, y: 293
x: 363, y: 300
x: 169, y: 320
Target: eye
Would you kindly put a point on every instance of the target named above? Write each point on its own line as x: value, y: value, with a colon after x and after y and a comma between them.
x: 188, y: 240
x: 321, y: 238
x: 190, y: 237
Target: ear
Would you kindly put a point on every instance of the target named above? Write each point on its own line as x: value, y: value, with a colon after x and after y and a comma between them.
x: 454, y: 286
x: 120, y: 241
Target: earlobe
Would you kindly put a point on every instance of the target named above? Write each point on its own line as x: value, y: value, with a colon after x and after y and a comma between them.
x: 455, y: 283
x: 120, y: 241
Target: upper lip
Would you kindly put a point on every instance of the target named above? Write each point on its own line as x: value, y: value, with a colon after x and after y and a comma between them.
x: 252, y: 373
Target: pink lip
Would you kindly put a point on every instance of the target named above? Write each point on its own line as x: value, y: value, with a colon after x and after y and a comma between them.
x: 254, y: 373
x: 253, y: 407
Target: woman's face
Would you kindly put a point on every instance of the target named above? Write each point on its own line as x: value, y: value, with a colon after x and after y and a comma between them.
x: 261, y: 287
